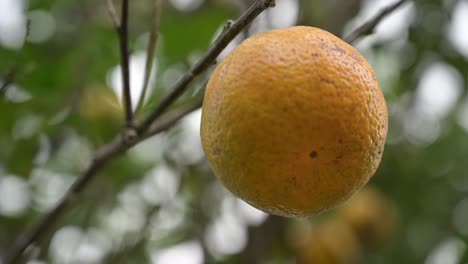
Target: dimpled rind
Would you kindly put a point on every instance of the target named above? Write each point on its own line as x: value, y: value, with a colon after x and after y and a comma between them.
x: 294, y: 121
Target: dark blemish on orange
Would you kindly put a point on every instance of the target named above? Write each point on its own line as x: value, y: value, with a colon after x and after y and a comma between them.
x: 294, y: 181
x: 324, y: 80
x: 355, y: 56
x: 314, y: 55
x: 313, y: 154
x: 338, y: 49
x: 216, y: 151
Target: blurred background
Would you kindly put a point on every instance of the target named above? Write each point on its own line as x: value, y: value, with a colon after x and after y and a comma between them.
x: 160, y: 203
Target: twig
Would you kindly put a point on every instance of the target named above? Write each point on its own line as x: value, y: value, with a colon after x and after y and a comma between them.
x: 124, y: 62
x: 369, y: 26
x: 171, y: 118
x: 106, y: 154
x: 219, y: 45
x: 102, y: 158
x: 118, y: 146
x: 7, y: 79
x: 113, y: 13
x: 150, y: 53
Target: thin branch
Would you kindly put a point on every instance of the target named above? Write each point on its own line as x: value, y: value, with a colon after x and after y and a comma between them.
x: 119, y: 146
x: 150, y: 53
x: 168, y: 120
x: 113, y: 13
x: 7, y: 79
x: 104, y: 156
x: 369, y: 26
x: 125, y: 65
x: 109, y: 152
x: 179, y: 88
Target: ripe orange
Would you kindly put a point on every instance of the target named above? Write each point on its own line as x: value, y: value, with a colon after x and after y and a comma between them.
x: 372, y: 216
x: 99, y: 104
x: 328, y: 242
x: 294, y: 121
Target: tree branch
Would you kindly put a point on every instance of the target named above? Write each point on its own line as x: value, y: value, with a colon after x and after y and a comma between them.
x: 171, y: 118
x: 119, y: 145
x: 150, y: 53
x: 105, y: 155
x: 124, y: 61
x: 7, y: 79
x: 40, y: 228
x: 369, y: 26
x: 113, y: 14
x: 179, y: 88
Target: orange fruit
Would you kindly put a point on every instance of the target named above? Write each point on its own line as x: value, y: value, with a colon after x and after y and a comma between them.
x: 294, y: 121
x: 372, y: 216
x: 328, y: 242
x: 98, y: 103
